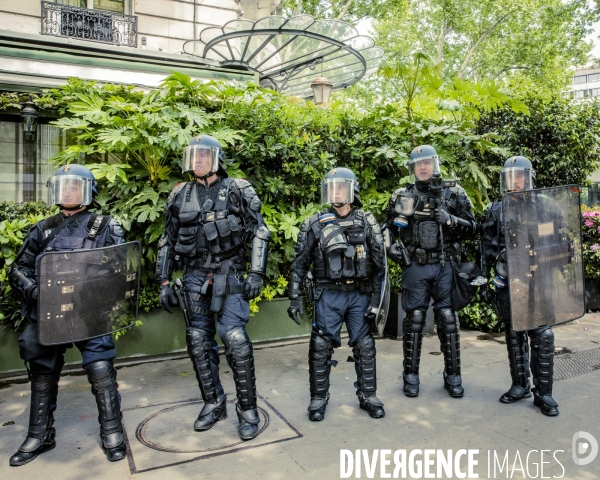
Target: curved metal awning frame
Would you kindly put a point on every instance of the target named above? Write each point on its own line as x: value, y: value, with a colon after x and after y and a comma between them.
x: 280, y: 75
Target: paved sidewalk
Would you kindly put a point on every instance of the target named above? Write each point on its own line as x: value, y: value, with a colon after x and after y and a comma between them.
x: 161, y: 401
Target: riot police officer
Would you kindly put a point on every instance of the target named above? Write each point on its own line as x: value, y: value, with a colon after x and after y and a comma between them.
x: 75, y: 227
x: 210, y: 222
x: 428, y: 217
x: 345, y: 247
x: 516, y: 176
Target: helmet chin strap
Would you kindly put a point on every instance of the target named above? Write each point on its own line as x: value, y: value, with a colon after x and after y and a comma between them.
x: 338, y: 205
x: 69, y: 209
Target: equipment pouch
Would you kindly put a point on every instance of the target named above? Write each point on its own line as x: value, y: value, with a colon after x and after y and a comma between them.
x: 219, y: 291
x: 234, y: 225
x: 224, y: 233
x: 361, y: 262
x: 212, y: 235
x: 421, y: 256
x: 186, y: 241
x: 335, y: 264
x: 428, y: 235
x: 356, y: 235
x: 188, y: 217
x: 348, y: 267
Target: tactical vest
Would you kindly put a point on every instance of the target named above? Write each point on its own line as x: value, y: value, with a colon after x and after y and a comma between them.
x: 423, y: 231
x: 212, y: 231
x: 90, y: 233
x: 342, y: 250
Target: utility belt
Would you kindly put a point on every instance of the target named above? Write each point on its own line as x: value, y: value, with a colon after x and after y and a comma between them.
x: 423, y: 257
x: 350, y: 285
x: 215, y: 288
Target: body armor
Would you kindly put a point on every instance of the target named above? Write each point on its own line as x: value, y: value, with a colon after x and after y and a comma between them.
x: 419, y: 231
x: 208, y: 228
x: 340, y: 249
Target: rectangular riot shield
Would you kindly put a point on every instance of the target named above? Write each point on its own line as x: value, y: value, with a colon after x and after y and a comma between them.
x: 542, y: 229
x: 87, y: 293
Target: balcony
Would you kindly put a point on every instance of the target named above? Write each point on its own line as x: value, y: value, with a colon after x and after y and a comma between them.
x: 86, y: 24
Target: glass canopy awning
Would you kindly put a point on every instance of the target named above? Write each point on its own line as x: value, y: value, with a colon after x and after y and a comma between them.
x: 281, y: 50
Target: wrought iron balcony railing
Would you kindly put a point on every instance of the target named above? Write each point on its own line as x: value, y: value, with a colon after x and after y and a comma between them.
x: 94, y: 25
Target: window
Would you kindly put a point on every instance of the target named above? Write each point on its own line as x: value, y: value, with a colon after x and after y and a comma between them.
x: 593, y: 77
x: 580, y: 79
x: 579, y: 93
x: 594, y: 92
x: 117, y: 6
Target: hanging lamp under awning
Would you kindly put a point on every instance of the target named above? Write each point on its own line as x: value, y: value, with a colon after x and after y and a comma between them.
x: 281, y: 50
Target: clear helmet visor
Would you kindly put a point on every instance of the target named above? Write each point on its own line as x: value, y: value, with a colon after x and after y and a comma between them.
x: 69, y: 190
x: 516, y: 179
x: 200, y: 159
x: 337, y: 191
x: 422, y: 169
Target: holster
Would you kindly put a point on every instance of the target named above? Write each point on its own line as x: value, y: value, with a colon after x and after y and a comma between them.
x: 219, y: 292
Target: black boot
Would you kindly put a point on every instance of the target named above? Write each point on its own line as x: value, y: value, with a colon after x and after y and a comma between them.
x: 518, y: 359
x: 366, y: 375
x: 240, y: 358
x: 205, y: 359
x: 542, y: 369
x: 320, y: 352
x: 449, y: 335
x: 103, y: 378
x: 41, y: 433
x: 412, y: 340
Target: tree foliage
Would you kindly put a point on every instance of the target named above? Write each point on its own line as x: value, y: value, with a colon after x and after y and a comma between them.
x: 492, y: 39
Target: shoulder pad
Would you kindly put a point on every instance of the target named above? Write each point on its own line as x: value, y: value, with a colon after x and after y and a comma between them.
x: 51, y: 222
x: 370, y: 218
x: 241, y: 183
x: 176, y: 190
x: 263, y: 233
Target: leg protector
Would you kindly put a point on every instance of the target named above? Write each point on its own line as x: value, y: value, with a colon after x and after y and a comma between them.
x: 449, y: 335
x: 542, y: 369
x: 103, y: 378
x: 240, y: 358
x: 320, y: 352
x: 41, y: 433
x: 412, y: 341
x: 518, y: 359
x: 205, y: 361
x: 366, y: 374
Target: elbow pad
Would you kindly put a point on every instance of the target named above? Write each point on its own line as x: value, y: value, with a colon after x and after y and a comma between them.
x: 164, y: 263
x: 260, y: 250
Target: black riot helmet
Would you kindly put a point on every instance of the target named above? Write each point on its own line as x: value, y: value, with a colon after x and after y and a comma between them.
x: 517, y: 175
x: 339, y: 187
x: 424, y: 163
x: 203, y: 157
x: 72, y: 186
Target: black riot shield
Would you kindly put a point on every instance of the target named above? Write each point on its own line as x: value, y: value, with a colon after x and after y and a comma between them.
x: 87, y: 293
x: 543, y: 249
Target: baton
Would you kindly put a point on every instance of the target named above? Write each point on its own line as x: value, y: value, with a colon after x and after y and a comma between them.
x: 179, y: 293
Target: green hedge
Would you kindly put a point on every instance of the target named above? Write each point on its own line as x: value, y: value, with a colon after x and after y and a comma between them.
x: 284, y: 146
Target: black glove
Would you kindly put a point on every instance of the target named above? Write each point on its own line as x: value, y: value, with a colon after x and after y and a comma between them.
x: 443, y: 217
x: 395, y: 253
x: 295, y: 310
x: 253, y: 285
x: 33, y: 294
x: 167, y: 297
x: 373, y: 310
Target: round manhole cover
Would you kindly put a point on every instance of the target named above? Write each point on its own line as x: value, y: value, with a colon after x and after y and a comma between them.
x: 171, y: 430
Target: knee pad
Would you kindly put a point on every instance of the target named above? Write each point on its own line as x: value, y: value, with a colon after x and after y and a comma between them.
x: 237, y: 344
x: 365, y: 349
x: 446, y: 320
x: 199, y: 342
x: 414, y: 322
x: 320, y: 347
x: 542, y: 339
